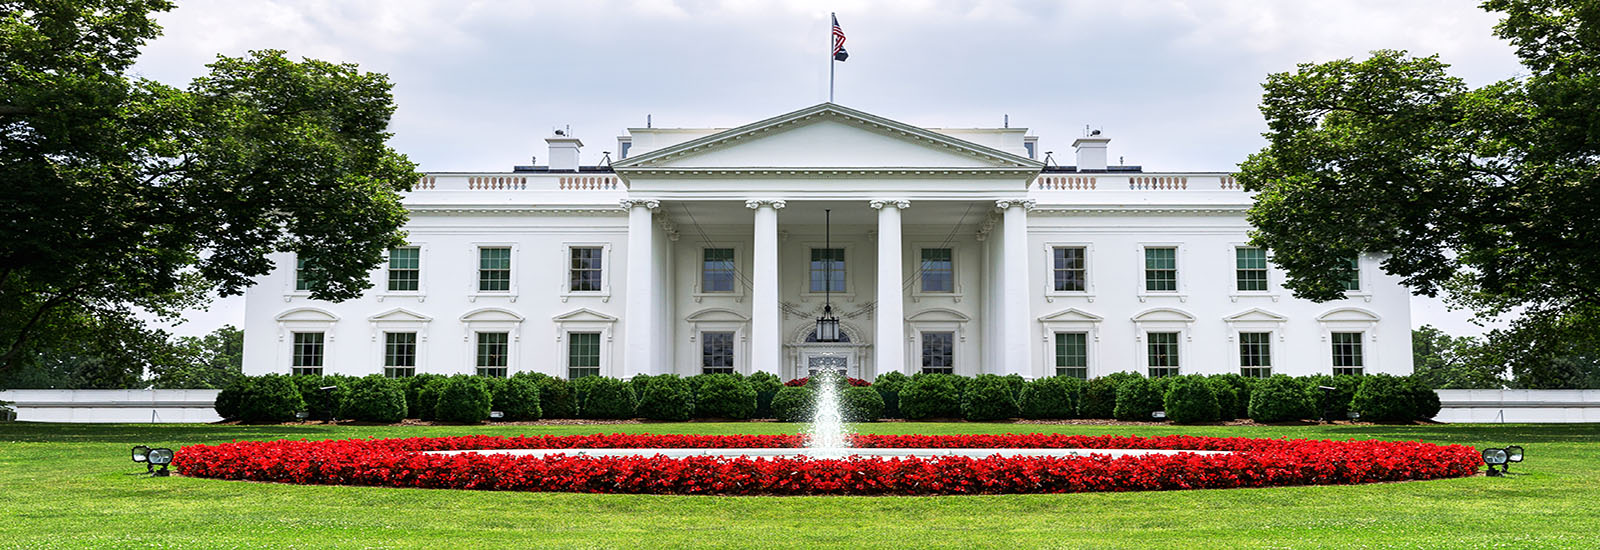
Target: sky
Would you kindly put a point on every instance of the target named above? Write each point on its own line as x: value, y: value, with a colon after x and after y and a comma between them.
x: 479, y: 84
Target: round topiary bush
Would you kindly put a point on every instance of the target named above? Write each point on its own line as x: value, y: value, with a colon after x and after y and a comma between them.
x: 517, y: 398
x: 231, y: 396
x: 667, y: 397
x: 724, y: 396
x: 1424, y: 401
x: 1137, y: 398
x: 1279, y: 398
x: 1099, y: 399
x: 267, y: 398
x: 989, y: 397
x: 419, y: 402
x: 931, y: 396
x: 793, y: 404
x: 601, y: 397
x: 859, y: 404
x: 463, y: 399
x: 556, y: 398
x: 1336, y: 403
x: 888, y: 385
x: 322, y: 404
x: 766, y: 385
x: 1051, y: 398
x: 1191, y: 400
x: 374, y: 398
x: 1387, y: 398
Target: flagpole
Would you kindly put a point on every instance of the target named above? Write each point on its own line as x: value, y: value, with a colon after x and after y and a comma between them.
x: 831, y: 61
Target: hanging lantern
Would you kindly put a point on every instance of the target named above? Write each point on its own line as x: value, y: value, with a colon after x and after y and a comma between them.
x: 827, y: 324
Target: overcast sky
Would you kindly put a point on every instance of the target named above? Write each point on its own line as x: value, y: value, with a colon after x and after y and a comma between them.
x: 479, y: 84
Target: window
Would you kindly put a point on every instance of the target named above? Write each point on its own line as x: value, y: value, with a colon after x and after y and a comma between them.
x: 1255, y: 354
x: 399, y: 354
x: 827, y: 270
x: 493, y: 349
x: 1347, y: 356
x: 1250, y: 265
x: 1072, y: 354
x: 1352, y: 274
x: 1161, y: 269
x: 302, y: 275
x: 938, y: 270
x: 307, y: 353
x: 405, y: 269
x: 583, y: 354
x: 586, y: 274
x: 716, y: 352
x: 1163, y: 350
x: 716, y: 273
x: 494, y: 269
x: 1068, y: 268
x: 938, y: 352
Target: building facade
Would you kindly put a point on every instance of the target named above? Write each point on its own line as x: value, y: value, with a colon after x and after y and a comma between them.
x: 940, y: 250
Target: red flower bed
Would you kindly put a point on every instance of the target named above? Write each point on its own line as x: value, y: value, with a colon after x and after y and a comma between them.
x: 1253, y: 463
x: 853, y: 381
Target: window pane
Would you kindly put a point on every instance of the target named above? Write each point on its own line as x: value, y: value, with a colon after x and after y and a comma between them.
x: 938, y: 352
x: 1160, y: 269
x: 1072, y: 354
x: 302, y: 275
x: 1067, y: 265
x: 1255, y: 354
x: 586, y: 269
x: 1163, y: 353
x: 494, y: 269
x: 583, y: 354
x: 307, y: 354
x: 399, y: 354
x: 1352, y: 275
x: 493, y: 353
x: 827, y: 269
x: 717, y: 270
x: 404, y: 268
x: 1347, y: 353
x: 938, y: 272
x: 1251, y: 266
x: 716, y: 352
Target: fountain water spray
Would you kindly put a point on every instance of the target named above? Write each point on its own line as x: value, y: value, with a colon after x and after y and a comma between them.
x: 827, y: 436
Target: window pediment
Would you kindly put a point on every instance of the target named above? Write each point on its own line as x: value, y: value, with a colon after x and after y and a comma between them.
x: 307, y: 314
x: 938, y: 315
x: 716, y: 315
x: 1348, y: 314
x: 1255, y: 315
x: 583, y: 315
x: 491, y: 314
x: 1071, y: 315
x: 1163, y: 315
x: 399, y: 315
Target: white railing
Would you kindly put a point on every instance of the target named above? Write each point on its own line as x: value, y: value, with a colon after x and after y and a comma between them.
x: 143, y: 406
x: 517, y: 182
x: 1154, y: 183
x: 1519, y: 406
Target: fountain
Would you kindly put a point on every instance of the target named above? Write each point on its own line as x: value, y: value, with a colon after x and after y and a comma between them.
x: 827, y: 436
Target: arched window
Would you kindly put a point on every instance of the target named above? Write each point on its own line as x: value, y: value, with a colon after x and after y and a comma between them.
x: 812, y: 337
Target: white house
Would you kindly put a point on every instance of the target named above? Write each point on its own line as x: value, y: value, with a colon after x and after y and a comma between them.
x: 951, y: 250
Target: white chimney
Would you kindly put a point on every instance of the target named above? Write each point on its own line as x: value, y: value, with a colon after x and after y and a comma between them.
x: 563, y: 152
x: 1091, y: 151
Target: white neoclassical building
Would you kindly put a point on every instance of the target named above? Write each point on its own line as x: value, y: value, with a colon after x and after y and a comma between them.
x: 950, y: 250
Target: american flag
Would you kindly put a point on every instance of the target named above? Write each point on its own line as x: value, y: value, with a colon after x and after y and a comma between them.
x: 838, y: 42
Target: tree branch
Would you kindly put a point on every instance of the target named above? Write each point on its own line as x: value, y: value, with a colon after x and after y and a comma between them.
x: 8, y: 361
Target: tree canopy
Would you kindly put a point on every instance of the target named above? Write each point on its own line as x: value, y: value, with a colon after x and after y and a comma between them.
x: 122, y: 192
x: 1489, y: 195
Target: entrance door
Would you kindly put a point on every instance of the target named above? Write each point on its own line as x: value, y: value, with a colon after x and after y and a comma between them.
x: 839, y: 364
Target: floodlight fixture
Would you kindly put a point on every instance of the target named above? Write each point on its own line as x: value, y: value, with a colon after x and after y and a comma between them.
x: 1158, y: 415
x: 497, y: 414
x: 1495, y: 457
x: 301, y: 415
x: 141, y: 453
x: 161, y: 457
x: 1513, y: 454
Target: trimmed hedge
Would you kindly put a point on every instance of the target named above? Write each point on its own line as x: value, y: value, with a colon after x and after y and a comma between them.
x: 1386, y: 398
x: 793, y: 404
x: 889, y: 385
x: 665, y: 397
x: 724, y: 396
x: 1191, y: 400
x: 463, y: 398
x: 931, y: 396
x: 1051, y: 398
x: 1137, y: 398
x: 422, y: 395
x: 990, y: 397
x: 604, y: 398
x: 859, y: 404
x: 323, y: 405
x: 1337, y: 405
x: 373, y: 398
x: 266, y: 398
x: 1279, y: 398
x: 766, y: 385
x: 557, y: 399
x: 1233, y: 395
x: 517, y: 398
x: 1100, y: 395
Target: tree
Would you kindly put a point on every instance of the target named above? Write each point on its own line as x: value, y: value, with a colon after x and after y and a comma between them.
x: 1487, y: 194
x: 127, y: 193
x: 91, y: 352
x: 208, y: 362
x: 1448, y: 362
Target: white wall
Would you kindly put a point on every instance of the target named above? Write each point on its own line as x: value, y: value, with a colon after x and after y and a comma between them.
x: 1501, y: 406
x: 161, y: 406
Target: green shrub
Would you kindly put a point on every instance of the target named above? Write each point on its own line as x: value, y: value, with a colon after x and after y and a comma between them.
x: 463, y: 398
x: 1424, y: 400
x: 724, y: 396
x: 415, y: 407
x: 1099, y: 398
x: 793, y: 404
x: 1233, y: 395
x: 888, y: 385
x: 1336, y: 405
x: 601, y: 397
x: 666, y: 397
x: 373, y: 398
x: 428, y: 397
x: 1016, y: 382
x: 1051, y: 398
x: 267, y: 398
x: 516, y: 397
x: 322, y: 404
x: 556, y: 398
x: 1191, y: 400
x: 1137, y: 398
x: 861, y: 404
x: 1279, y: 398
x: 231, y: 396
x: 989, y: 397
x: 1387, y: 398
x: 931, y: 396
x: 766, y: 385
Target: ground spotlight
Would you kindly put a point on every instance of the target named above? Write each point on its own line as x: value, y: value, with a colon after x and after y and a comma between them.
x: 160, y: 457
x: 1501, y: 457
x: 1513, y: 454
x: 141, y: 453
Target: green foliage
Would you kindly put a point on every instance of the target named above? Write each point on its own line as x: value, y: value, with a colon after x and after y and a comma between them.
x: 556, y: 397
x: 323, y: 405
x: 860, y: 404
x: 1100, y: 395
x: 1345, y: 390
x: 1385, y: 398
x: 931, y: 396
x: 666, y: 397
x: 517, y: 397
x: 1234, y: 401
x: 268, y: 398
x: 1191, y: 400
x: 601, y: 397
x: 1052, y: 398
x: 1458, y: 363
x: 724, y: 396
x: 766, y: 385
x: 373, y: 398
x: 422, y: 395
x: 208, y: 362
x: 989, y: 397
x: 793, y: 404
x: 463, y: 398
x: 1137, y: 398
x: 1279, y: 398
x: 82, y: 351
x: 888, y: 386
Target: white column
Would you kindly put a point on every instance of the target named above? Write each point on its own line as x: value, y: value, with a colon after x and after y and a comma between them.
x: 639, y: 321
x: 890, y: 317
x: 1016, y: 355
x: 766, y: 324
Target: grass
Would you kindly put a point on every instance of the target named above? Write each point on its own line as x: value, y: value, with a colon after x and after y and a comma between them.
x: 72, y: 486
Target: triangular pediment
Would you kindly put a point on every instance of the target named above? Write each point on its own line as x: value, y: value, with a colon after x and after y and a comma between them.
x: 1255, y: 314
x: 583, y: 314
x: 1071, y: 315
x: 826, y: 136
x: 400, y: 315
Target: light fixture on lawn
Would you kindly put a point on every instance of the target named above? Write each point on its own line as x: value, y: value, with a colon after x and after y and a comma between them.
x: 827, y: 324
x: 1495, y: 457
x: 1327, y: 402
x: 327, y: 395
x: 141, y: 453
x: 1513, y: 454
x: 160, y: 457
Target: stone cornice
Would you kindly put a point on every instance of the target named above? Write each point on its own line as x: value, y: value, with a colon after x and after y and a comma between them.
x: 459, y: 210
x: 1113, y: 210
x: 779, y: 172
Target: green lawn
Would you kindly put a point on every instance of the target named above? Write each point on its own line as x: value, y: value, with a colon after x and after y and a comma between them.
x: 72, y: 486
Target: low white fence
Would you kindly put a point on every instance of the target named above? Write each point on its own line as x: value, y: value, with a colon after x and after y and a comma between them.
x: 175, y: 406
x: 1519, y: 406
